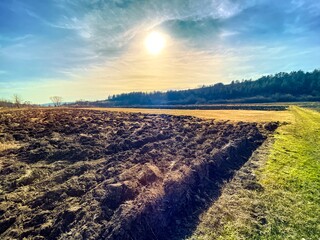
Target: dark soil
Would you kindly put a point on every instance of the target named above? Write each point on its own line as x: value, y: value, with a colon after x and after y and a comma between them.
x: 82, y: 174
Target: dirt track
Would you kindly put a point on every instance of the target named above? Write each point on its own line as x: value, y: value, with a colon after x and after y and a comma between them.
x: 81, y: 174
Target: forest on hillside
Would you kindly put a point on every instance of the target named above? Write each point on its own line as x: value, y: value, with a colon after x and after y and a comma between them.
x: 281, y: 87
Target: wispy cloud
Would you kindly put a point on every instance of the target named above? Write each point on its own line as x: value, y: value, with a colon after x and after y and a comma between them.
x: 113, y: 24
x: 16, y: 38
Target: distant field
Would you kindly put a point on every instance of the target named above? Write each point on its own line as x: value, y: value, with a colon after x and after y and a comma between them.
x: 232, y: 115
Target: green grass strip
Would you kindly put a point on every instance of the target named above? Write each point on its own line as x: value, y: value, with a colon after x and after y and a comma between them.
x: 291, y: 179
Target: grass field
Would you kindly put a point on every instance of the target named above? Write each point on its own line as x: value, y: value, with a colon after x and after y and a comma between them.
x: 231, y: 115
x: 285, y: 204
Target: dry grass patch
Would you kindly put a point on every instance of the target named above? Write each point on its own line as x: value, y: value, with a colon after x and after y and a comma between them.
x: 231, y: 115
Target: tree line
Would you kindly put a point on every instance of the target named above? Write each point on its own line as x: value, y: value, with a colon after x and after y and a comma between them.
x: 280, y: 87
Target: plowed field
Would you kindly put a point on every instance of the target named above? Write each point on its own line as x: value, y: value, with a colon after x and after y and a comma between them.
x: 85, y: 174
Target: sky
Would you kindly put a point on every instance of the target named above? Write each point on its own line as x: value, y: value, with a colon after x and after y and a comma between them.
x: 90, y: 49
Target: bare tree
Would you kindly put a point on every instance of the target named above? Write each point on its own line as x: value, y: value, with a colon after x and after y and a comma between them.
x: 17, y: 100
x: 27, y: 104
x: 56, y: 100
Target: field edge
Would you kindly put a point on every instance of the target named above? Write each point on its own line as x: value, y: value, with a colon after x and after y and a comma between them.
x: 283, y: 199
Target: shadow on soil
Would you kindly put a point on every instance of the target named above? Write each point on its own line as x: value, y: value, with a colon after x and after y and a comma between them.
x: 175, y: 214
x: 186, y: 222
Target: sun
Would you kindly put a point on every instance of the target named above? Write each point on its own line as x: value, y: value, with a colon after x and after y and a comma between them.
x: 155, y: 42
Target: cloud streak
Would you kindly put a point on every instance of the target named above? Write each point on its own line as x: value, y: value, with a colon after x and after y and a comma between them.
x: 113, y: 24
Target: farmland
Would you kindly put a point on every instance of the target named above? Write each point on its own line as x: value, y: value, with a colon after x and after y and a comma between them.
x: 224, y: 115
x: 152, y: 174
x: 159, y: 120
x: 112, y: 175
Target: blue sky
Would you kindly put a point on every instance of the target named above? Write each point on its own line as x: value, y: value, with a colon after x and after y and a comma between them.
x: 89, y: 49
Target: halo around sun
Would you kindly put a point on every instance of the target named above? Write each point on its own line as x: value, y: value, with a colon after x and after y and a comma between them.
x: 155, y: 42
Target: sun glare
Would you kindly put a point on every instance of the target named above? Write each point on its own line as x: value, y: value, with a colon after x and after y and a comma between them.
x: 155, y: 43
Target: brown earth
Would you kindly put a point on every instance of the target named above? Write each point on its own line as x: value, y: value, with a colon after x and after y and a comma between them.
x: 84, y: 174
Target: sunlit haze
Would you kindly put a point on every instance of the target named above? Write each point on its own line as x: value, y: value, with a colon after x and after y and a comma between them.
x: 155, y: 42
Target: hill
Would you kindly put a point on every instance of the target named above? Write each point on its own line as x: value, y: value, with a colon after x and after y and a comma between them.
x: 281, y: 87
